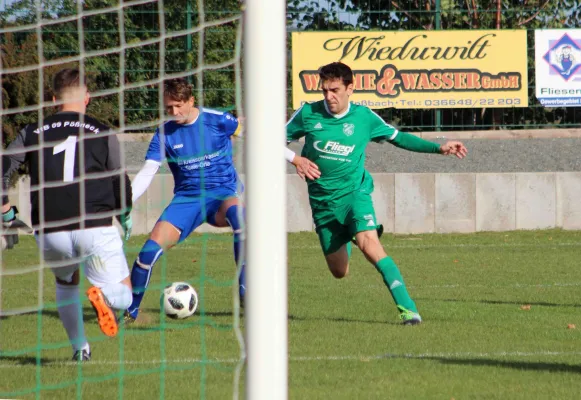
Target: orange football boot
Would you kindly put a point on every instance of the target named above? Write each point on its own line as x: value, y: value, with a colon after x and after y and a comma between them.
x: 105, y: 315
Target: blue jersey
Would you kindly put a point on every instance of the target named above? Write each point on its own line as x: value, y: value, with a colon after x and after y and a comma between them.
x: 199, y: 154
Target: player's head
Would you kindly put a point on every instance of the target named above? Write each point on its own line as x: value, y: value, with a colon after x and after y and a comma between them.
x: 567, y: 49
x: 69, y: 88
x: 179, y: 100
x: 337, y: 85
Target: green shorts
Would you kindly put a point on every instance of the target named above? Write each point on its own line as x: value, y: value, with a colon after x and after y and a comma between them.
x: 337, y: 226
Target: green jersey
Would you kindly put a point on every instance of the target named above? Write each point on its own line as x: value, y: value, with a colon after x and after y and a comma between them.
x: 336, y: 143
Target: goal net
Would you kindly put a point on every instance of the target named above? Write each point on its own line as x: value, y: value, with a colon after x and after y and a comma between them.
x: 126, y: 49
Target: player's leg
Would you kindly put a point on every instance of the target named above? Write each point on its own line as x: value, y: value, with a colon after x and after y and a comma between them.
x: 231, y: 213
x: 378, y: 229
x: 363, y: 227
x: 57, y: 251
x: 334, y: 239
x: 106, y: 269
x: 178, y: 220
x: 163, y: 236
x: 338, y: 261
x: 71, y: 315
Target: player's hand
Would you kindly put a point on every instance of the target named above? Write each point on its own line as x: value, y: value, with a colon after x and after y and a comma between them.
x: 126, y: 224
x: 454, y: 148
x: 10, y: 227
x: 306, y: 168
x: 8, y: 217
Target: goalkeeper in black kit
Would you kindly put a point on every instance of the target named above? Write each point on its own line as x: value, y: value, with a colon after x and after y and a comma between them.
x: 77, y: 187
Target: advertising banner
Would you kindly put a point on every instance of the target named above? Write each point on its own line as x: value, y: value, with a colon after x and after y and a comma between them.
x: 417, y: 69
x: 558, y: 67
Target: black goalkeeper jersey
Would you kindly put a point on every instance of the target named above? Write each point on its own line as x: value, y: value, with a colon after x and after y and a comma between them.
x: 76, y: 178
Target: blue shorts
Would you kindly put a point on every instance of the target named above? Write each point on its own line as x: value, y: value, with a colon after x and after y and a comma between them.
x: 189, y: 212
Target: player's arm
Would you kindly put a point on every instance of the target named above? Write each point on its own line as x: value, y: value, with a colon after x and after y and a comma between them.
x: 153, y: 160
x: 144, y: 177
x: 411, y: 142
x: 294, y: 131
x: 13, y: 157
x: 232, y: 126
x: 381, y: 132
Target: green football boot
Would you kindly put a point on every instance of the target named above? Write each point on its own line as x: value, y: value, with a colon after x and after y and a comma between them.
x: 409, y: 317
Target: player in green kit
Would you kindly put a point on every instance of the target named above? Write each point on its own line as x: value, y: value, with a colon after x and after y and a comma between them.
x: 336, y: 134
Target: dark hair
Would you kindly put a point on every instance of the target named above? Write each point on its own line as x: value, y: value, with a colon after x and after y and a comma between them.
x: 177, y: 89
x: 336, y: 70
x: 65, y: 79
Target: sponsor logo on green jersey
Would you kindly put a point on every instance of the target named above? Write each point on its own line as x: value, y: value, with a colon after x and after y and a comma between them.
x: 348, y: 129
x: 335, y: 148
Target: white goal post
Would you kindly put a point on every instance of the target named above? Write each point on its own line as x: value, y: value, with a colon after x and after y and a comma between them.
x: 265, y: 107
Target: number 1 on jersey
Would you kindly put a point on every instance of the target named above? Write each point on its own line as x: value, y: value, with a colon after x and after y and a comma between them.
x: 69, y: 146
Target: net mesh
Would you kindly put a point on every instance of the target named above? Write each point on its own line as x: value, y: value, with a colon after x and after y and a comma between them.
x: 126, y: 50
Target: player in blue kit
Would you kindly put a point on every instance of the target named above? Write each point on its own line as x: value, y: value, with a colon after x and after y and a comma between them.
x: 197, y: 146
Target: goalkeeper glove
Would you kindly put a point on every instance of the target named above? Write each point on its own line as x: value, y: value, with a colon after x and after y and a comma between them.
x: 10, y: 234
x: 126, y: 223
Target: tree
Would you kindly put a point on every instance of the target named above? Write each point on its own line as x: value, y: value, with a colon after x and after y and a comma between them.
x: 107, y: 64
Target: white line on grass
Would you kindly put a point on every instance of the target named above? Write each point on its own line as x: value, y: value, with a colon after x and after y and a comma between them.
x: 418, y: 245
x: 509, y: 285
x: 363, y: 358
x: 8, y: 312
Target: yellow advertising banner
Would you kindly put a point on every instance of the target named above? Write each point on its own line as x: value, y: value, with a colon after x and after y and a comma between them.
x: 417, y: 69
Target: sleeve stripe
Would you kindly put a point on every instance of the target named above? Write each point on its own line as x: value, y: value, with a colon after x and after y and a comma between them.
x: 152, y: 161
x: 212, y: 111
x: 385, y: 123
x: 297, y: 112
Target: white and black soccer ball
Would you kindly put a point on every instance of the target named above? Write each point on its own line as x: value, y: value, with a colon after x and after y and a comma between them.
x: 179, y: 300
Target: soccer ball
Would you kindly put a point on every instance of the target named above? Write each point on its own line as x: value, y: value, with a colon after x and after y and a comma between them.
x: 179, y: 300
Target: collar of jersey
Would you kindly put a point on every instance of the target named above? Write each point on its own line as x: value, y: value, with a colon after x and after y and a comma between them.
x: 337, y: 115
x: 194, y: 121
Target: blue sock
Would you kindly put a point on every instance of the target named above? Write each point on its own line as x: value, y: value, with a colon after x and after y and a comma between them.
x: 237, y: 228
x: 141, y: 272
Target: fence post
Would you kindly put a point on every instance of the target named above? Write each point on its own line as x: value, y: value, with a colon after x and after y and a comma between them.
x: 438, y: 112
x: 189, y: 38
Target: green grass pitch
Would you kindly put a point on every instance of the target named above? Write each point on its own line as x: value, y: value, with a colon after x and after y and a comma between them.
x: 499, y: 311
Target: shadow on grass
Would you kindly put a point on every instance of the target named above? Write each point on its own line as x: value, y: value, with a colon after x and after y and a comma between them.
x: 517, y: 303
x: 537, y: 303
x: 342, y: 319
x: 146, y: 322
x: 27, y: 360
x: 88, y: 314
x: 210, y: 314
x: 520, y: 365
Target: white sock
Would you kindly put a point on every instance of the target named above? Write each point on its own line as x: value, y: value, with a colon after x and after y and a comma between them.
x: 71, y: 314
x: 118, y: 295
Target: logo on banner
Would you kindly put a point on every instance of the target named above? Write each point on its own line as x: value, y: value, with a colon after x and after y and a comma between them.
x: 564, y: 57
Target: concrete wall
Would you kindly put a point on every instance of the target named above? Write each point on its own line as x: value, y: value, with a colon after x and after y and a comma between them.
x: 415, y: 203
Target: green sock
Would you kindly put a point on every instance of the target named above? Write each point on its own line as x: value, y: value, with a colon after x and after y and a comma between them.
x: 394, y: 282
